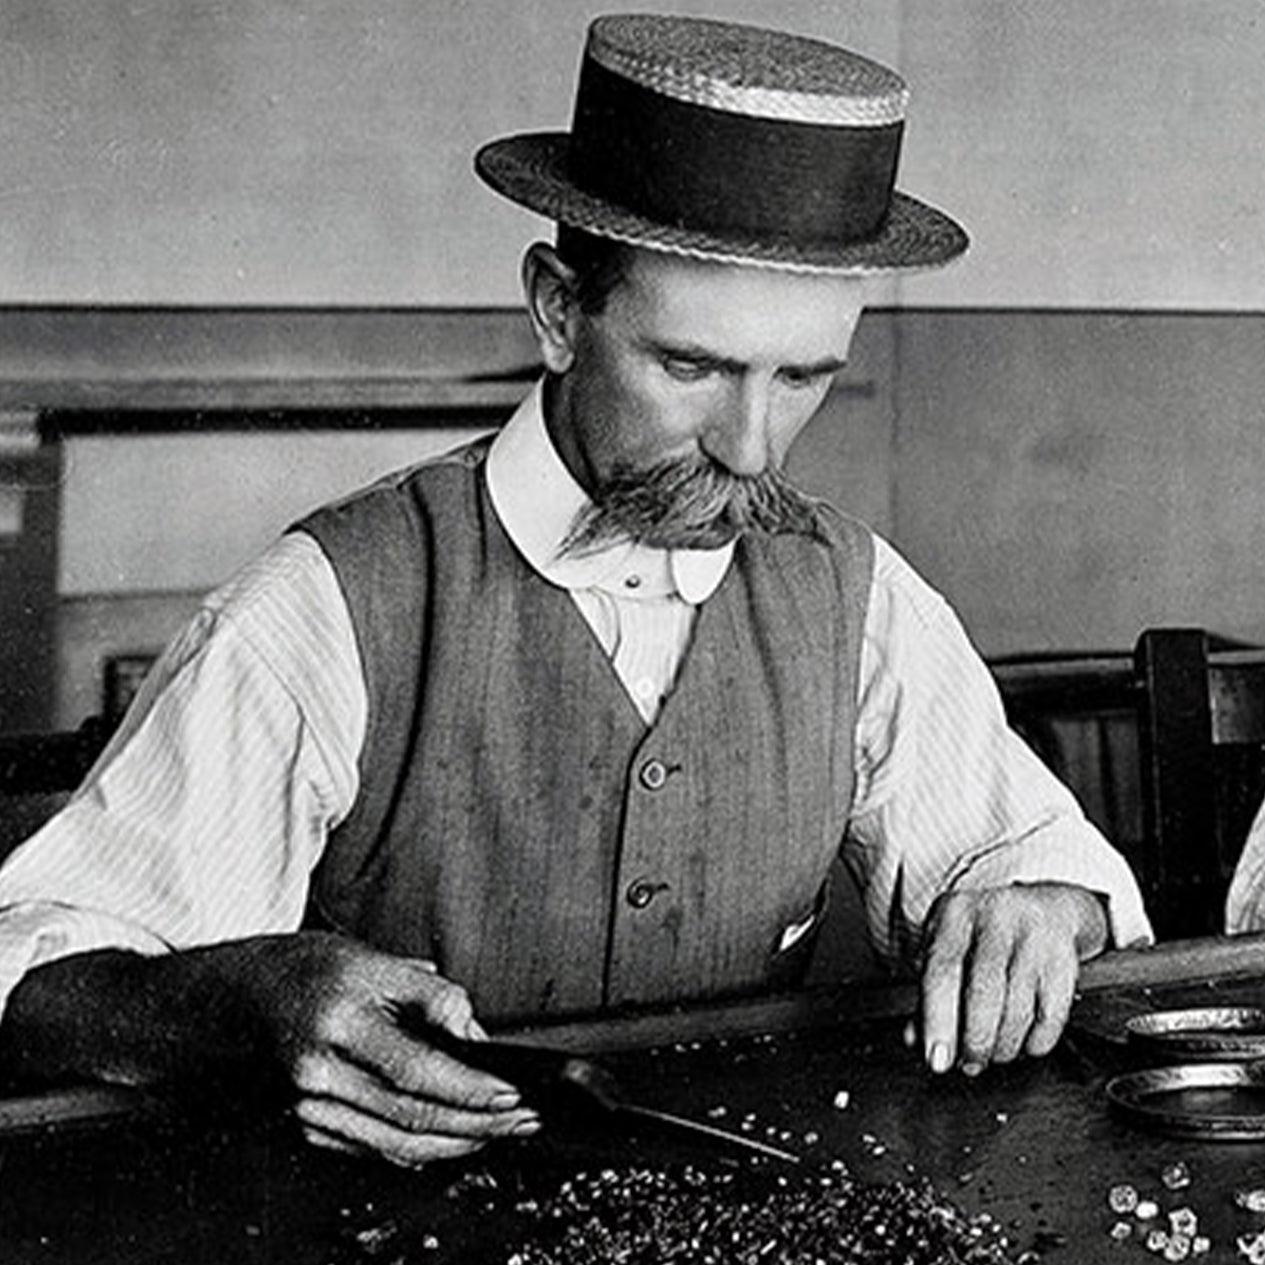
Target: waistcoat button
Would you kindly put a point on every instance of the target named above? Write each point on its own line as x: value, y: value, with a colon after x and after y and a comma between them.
x: 653, y: 775
x: 642, y: 891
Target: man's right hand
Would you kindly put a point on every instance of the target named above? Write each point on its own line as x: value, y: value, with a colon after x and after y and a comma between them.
x: 362, y: 1083
x: 319, y: 1007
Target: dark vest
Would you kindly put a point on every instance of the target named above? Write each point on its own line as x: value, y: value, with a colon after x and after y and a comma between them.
x: 520, y: 824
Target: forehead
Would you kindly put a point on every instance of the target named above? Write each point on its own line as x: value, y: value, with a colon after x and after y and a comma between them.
x: 735, y: 311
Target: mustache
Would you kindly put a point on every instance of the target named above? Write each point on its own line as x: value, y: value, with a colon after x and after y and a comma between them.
x: 691, y: 503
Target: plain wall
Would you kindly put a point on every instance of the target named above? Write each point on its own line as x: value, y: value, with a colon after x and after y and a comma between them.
x: 1103, y: 153
x: 1071, y: 478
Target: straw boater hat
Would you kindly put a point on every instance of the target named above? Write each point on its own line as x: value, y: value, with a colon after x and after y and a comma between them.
x: 729, y: 142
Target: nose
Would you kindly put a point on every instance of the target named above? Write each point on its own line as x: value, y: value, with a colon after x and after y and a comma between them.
x: 739, y: 436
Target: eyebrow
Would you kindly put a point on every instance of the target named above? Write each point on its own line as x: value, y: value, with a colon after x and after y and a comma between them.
x: 830, y: 364
x: 688, y: 351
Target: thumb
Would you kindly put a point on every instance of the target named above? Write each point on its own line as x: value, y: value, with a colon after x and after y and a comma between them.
x: 437, y: 1000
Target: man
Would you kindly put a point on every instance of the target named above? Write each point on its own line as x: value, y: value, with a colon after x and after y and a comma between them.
x: 577, y: 718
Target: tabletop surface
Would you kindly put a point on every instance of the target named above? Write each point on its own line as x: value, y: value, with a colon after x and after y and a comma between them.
x: 1033, y: 1145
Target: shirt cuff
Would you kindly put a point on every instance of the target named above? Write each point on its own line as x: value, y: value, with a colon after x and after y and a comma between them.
x: 36, y: 933
x: 1079, y: 858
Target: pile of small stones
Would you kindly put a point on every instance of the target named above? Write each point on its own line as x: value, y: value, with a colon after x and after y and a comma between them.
x: 638, y: 1215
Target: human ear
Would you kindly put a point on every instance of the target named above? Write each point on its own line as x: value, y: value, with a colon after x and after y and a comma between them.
x: 548, y: 286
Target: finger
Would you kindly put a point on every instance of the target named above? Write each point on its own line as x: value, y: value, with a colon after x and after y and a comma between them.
x: 329, y: 1141
x: 335, y: 1124
x: 1054, y: 998
x: 1018, y: 1011
x: 404, y: 1060
x: 427, y: 1108
x: 942, y: 984
x: 366, y: 1094
x: 451, y: 1008
x: 985, y: 995
x: 411, y: 1066
x: 421, y: 1118
x: 435, y: 999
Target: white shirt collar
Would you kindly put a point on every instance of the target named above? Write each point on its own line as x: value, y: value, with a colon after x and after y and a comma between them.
x: 537, y: 500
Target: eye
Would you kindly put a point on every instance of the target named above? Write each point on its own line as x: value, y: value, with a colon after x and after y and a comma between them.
x: 683, y: 369
x: 805, y: 378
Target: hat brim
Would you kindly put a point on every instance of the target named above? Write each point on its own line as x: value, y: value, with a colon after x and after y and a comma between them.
x: 531, y: 170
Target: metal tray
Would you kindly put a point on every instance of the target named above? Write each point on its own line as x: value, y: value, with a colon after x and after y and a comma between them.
x: 1232, y: 1034
x: 1216, y: 1101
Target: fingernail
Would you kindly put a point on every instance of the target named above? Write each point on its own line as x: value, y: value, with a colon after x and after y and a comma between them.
x: 524, y: 1127
x: 505, y: 1100
x: 911, y: 1033
x: 971, y: 1069
x: 940, y: 1060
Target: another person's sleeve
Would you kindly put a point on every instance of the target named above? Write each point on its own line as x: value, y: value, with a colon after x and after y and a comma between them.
x: 205, y: 816
x: 1245, y: 901
x: 948, y: 797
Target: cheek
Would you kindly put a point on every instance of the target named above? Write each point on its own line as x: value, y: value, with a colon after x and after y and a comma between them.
x: 621, y: 421
x: 654, y: 419
x: 799, y: 408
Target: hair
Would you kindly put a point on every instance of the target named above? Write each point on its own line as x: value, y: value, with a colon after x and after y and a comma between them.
x: 600, y: 264
x: 691, y: 503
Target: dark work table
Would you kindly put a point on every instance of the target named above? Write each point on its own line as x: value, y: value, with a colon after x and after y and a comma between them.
x: 92, y: 1178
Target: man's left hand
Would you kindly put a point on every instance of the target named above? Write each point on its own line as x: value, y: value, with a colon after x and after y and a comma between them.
x: 1001, y: 969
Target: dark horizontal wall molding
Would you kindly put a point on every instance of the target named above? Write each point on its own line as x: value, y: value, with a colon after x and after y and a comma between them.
x: 132, y: 369
x: 117, y: 360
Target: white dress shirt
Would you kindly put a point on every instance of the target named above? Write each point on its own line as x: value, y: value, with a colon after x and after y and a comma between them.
x: 206, y: 814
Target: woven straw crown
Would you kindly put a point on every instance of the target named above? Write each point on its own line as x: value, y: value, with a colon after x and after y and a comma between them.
x: 749, y: 71
x: 730, y: 142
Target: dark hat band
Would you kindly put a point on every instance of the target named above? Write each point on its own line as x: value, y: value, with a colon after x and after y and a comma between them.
x: 689, y: 165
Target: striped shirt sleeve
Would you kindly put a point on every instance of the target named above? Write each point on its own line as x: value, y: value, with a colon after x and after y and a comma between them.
x: 947, y: 795
x: 204, y: 817
x: 1245, y: 901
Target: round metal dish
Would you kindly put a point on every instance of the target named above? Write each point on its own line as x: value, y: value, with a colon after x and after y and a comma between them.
x: 1217, y: 1033
x: 1222, y: 1102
